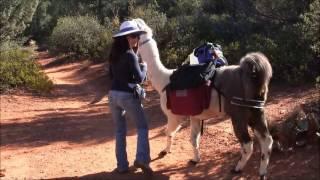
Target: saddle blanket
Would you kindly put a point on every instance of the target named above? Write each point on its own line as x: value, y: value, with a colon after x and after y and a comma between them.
x: 189, y: 102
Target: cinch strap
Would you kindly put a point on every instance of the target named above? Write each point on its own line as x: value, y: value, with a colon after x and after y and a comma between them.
x: 251, y: 103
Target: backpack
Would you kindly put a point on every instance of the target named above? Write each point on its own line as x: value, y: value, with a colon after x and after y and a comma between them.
x: 190, y: 76
x: 210, y: 52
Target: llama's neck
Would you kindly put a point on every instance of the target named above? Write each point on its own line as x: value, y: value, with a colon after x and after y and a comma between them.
x: 157, y: 73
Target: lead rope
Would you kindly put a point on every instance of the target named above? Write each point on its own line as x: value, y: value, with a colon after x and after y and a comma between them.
x: 202, y: 121
x: 202, y: 125
x: 219, y: 97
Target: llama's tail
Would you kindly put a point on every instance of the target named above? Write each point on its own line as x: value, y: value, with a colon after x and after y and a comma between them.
x: 258, y: 72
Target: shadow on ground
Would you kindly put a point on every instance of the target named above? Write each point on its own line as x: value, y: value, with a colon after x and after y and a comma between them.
x: 80, y: 125
x: 114, y: 176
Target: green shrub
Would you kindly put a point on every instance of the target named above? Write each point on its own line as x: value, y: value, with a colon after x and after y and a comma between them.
x: 177, y: 40
x: 81, y: 35
x: 18, y: 69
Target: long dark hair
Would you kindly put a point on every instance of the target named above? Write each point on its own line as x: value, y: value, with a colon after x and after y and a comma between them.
x: 119, y: 46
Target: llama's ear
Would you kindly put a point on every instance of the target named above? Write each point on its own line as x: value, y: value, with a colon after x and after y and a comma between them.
x: 143, y: 26
x: 139, y: 26
x: 139, y: 22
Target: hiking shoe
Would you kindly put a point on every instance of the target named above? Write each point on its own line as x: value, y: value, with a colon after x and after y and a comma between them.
x: 118, y: 171
x: 145, y: 167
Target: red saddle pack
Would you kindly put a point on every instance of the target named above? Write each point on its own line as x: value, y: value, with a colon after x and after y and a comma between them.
x: 189, y: 101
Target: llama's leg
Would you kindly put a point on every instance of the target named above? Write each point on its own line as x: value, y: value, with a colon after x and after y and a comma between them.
x: 260, y: 128
x: 240, y: 127
x: 173, y: 127
x: 246, y: 152
x: 195, y: 139
x: 265, y: 141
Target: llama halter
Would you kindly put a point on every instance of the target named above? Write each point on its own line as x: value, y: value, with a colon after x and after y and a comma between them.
x: 144, y: 42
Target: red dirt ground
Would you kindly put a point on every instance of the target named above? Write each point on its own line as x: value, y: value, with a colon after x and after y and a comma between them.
x: 68, y: 134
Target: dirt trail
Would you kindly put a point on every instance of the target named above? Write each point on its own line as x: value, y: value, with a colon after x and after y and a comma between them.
x: 69, y: 134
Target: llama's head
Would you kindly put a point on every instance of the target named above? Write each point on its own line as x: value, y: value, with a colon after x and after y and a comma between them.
x: 143, y: 26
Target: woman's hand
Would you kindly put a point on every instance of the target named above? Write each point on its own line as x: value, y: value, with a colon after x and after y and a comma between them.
x: 143, y: 64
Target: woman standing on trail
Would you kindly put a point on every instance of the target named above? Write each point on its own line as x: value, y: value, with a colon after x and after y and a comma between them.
x: 126, y: 70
